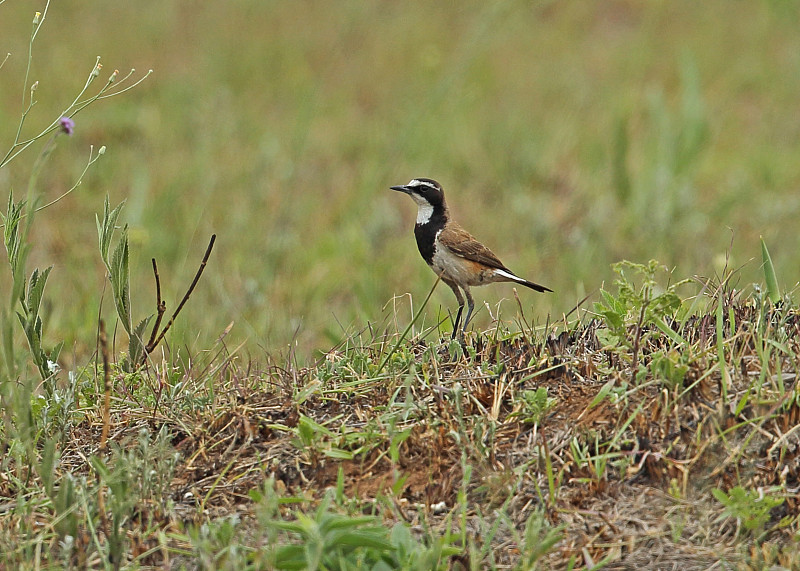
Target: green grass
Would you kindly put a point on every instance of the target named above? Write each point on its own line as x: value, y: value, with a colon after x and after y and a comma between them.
x: 589, y: 133
x: 308, y: 409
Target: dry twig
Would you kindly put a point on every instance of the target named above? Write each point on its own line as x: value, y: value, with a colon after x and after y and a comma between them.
x: 161, y: 307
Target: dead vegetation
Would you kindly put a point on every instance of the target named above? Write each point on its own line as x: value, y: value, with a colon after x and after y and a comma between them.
x: 624, y: 462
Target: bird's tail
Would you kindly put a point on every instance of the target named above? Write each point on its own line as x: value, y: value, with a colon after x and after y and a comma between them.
x: 533, y: 286
x: 514, y: 278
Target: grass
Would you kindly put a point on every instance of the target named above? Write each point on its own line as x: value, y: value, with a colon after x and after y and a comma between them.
x: 305, y: 412
x: 589, y: 130
x: 537, y: 449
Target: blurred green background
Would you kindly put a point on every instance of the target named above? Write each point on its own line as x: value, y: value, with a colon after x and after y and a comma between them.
x: 568, y: 135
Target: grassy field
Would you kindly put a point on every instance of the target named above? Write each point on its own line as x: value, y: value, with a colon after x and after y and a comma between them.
x: 294, y: 394
x: 590, y: 133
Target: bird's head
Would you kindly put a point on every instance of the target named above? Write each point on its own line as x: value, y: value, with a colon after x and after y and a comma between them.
x: 426, y: 192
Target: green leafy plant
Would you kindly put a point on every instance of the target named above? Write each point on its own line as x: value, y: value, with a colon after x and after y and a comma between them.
x: 118, y: 267
x: 315, y: 438
x: 328, y: 540
x: 639, y: 302
x: 670, y: 367
x: 638, y: 312
x: 137, y: 479
x: 751, y: 508
x: 535, y: 405
x: 216, y: 544
x: 27, y: 293
x: 538, y: 540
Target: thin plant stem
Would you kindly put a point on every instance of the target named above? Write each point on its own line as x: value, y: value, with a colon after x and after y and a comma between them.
x: 408, y: 328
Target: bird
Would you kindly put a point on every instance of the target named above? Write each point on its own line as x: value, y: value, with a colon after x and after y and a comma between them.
x: 451, y: 252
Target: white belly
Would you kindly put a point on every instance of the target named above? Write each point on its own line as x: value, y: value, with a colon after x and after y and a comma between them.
x: 461, y: 270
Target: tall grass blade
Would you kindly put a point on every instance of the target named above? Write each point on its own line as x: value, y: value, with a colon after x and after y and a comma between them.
x: 773, y: 293
x: 407, y: 329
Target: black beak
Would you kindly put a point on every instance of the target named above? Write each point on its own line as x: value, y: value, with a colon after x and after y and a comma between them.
x: 401, y: 188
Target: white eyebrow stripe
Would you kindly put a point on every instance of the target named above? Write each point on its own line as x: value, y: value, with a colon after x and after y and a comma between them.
x: 417, y: 182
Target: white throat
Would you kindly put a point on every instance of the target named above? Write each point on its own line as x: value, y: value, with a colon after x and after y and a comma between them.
x: 424, y: 212
x: 424, y: 209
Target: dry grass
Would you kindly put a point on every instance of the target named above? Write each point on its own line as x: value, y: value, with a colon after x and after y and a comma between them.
x: 631, y: 459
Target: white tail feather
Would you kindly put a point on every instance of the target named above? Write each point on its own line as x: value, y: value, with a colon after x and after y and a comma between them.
x: 509, y: 276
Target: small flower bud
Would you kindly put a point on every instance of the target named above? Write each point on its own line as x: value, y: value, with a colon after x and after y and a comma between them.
x: 101, y: 150
x: 34, y: 87
x: 67, y: 125
x: 96, y: 70
x: 113, y: 76
x: 36, y: 18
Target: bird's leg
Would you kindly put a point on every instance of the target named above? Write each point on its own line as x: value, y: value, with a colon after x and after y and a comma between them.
x: 470, y: 307
x: 460, y: 299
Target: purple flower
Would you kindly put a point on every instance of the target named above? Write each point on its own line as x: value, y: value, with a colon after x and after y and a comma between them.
x: 67, y: 125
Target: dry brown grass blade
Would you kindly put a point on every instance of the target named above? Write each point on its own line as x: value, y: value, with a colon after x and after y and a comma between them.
x: 154, y: 342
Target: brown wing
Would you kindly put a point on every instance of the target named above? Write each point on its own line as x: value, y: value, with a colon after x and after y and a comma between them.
x: 461, y: 243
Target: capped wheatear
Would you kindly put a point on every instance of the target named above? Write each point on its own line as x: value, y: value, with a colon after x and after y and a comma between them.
x: 451, y: 252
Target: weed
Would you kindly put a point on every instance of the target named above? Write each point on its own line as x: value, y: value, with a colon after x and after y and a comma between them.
x: 638, y: 313
x: 751, y: 508
x: 536, y: 404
